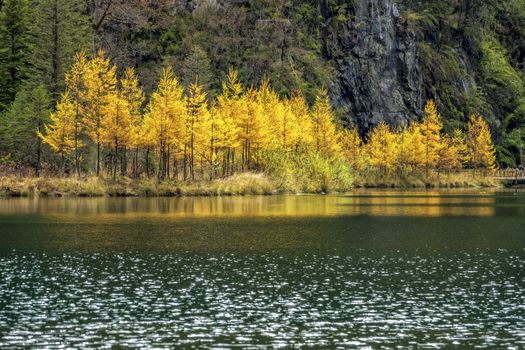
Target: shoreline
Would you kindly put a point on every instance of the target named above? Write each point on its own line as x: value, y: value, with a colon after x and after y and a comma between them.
x: 237, y: 185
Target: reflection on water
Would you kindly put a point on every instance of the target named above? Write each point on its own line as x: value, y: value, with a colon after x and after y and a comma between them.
x: 428, y: 203
x: 363, y: 270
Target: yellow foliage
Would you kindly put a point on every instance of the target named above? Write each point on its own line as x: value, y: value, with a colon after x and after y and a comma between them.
x: 116, y: 122
x: 411, y: 148
x: 132, y: 93
x: 226, y: 113
x: 351, y: 148
x: 301, y: 124
x: 381, y: 148
x: 325, y: 134
x: 243, y: 130
x: 164, y: 120
x: 99, y: 81
x: 448, y: 155
x: 480, y: 144
x: 431, y: 126
x: 61, y: 133
x: 197, y: 126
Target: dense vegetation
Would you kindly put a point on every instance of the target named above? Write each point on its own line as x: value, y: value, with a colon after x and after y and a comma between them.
x: 183, y: 135
x: 157, y: 118
x: 472, y: 55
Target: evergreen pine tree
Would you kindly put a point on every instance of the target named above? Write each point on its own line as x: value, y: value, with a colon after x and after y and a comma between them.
x: 13, y: 49
x: 59, y: 31
x: 25, y: 117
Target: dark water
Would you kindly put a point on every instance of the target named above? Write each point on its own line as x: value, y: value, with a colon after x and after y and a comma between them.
x: 368, y: 270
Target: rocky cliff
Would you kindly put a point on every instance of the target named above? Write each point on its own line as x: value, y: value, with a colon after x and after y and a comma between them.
x: 377, y: 67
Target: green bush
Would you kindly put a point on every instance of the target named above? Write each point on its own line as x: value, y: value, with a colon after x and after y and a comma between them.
x: 308, y: 171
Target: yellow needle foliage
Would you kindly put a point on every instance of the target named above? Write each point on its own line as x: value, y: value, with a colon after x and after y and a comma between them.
x: 351, y: 145
x: 165, y: 118
x: 325, y: 132
x: 480, y: 146
x: 185, y: 135
x: 411, y: 148
x: 99, y: 81
x: 431, y: 126
x: 381, y: 148
x: 60, y: 133
x: 197, y: 127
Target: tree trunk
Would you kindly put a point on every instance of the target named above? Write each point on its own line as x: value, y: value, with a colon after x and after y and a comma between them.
x: 98, y: 158
x: 147, y: 162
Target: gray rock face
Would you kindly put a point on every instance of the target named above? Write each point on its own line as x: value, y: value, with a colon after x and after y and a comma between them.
x: 378, y: 76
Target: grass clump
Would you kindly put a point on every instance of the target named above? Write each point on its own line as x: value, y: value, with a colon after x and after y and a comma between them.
x: 461, y: 179
x: 308, y: 172
x: 312, y: 174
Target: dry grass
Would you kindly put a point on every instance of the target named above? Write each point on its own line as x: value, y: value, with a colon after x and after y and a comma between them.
x: 241, y: 184
x: 42, y: 187
x: 465, y: 179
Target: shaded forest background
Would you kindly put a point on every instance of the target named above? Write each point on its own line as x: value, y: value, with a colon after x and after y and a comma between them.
x: 470, y: 55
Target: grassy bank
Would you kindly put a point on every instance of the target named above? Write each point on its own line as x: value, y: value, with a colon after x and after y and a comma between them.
x: 464, y: 179
x: 242, y: 184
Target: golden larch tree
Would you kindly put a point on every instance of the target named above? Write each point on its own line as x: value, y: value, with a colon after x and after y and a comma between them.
x: 301, y: 127
x: 225, y: 114
x: 431, y: 126
x: 351, y: 145
x: 411, y: 148
x: 480, y: 144
x: 61, y: 133
x: 254, y: 129
x: 197, y: 126
x: 459, y: 140
x: 99, y: 81
x: 325, y: 133
x: 116, y: 127
x: 132, y: 93
x: 449, y: 156
x: 164, y: 119
x: 381, y: 148
x: 75, y: 86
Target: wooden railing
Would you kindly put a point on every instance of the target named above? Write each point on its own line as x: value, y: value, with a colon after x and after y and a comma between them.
x: 509, y: 174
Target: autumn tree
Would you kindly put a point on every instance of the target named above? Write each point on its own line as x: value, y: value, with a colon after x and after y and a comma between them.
x: 197, y: 126
x: 132, y: 93
x: 381, y: 149
x: 116, y: 126
x: 74, y: 80
x: 351, y: 145
x: 60, y: 133
x: 411, y: 147
x: 253, y: 125
x: 300, y: 124
x: 431, y: 126
x: 449, y: 158
x: 164, y: 119
x: 459, y: 141
x: 480, y: 145
x: 287, y: 123
x: 227, y: 133
x: 325, y: 134
x: 99, y: 81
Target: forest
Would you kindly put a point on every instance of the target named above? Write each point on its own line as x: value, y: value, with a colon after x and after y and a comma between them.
x: 199, y: 90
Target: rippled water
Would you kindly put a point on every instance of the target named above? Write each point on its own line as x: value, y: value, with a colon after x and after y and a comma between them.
x: 372, y: 270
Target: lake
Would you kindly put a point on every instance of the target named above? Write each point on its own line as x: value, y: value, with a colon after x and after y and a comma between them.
x: 369, y: 269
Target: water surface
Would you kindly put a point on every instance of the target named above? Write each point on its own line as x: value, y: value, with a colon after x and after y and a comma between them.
x: 365, y: 270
